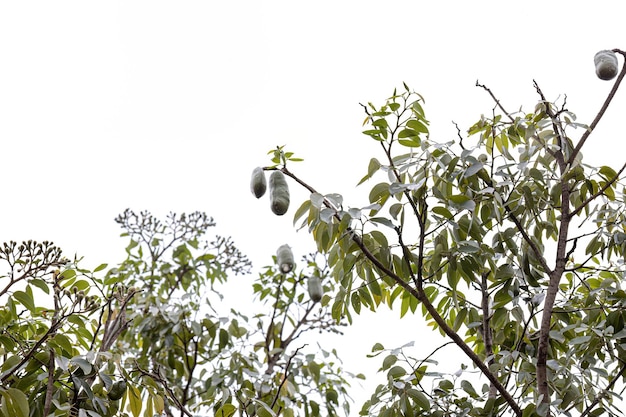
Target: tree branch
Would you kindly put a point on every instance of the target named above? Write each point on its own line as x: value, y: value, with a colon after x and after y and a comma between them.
x: 49, y: 385
x: 487, y: 89
x: 561, y: 253
x: 487, y: 334
x: 161, y: 381
x: 603, y: 109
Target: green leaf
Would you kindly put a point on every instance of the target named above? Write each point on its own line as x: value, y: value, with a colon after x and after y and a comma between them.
x: 377, y: 347
x: 417, y: 126
x: 302, y: 210
x: 16, y: 402
x: 335, y: 199
x: 67, y: 274
x: 389, y: 361
x: 421, y: 400
x: 412, y: 142
x: 379, y: 192
x: 469, y: 246
x: 462, y: 201
x: 579, y: 340
x: 473, y: 169
x: 227, y: 410
x: 100, y: 267
x: 608, y: 173
x: 41, y: 284
x: 405, y: 304
x: 396, y: 372
x: 224, y: 339
x: 84, y: 365
x: 384, y: 221
x: 558, y: 336
x: 380, y: 123
x: 134, y: 399
x: 356, y: 302
x: 467, y: 387
x: 337, y: 309
x: 10, y: 362
x: 409, y: 133
x: 317, y: 200
x: 442, y: 211
x: 460, y: 319
x: 25, y: 299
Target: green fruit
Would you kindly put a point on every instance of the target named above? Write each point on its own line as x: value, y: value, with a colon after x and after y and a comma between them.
x: 314, y: 285
x: 606, y: 65
x: 279, y: 193
x: 284, y: 258
x: 258, y: 183
x: 117, y: 390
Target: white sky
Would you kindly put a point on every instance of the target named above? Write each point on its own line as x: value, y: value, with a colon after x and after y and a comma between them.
x: 167, y: 106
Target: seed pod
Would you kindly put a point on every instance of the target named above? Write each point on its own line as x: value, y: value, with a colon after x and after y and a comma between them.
x: 117, y: 390
x: 258, y: 183
x: 284, y: 258
x: 606, y: 64
x: 314, y: 285
x: 279, y: 193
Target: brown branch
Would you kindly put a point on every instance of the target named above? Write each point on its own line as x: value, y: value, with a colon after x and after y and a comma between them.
x: 603, y: 109
x: 114, y: 327
x: 270, y: 328
x: 190, y: 364
x: 487, y: 89
x: 159, y: 379
x: 49, y: 385
x: 551, y: 292
x: 555, y: 274
x: 285, y: 376
x: 295, y: 332
x: 487, y: 333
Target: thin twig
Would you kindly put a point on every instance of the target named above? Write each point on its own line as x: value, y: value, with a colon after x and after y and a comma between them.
x: 487, y: 89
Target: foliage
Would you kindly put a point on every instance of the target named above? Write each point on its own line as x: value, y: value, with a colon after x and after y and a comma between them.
x: 504, y: 240
x: 147, y: 338
x: 192, y: 358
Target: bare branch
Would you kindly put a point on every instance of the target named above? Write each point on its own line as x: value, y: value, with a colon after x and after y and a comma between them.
x: 487, y: 89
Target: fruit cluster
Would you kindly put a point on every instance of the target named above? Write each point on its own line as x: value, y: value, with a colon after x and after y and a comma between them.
x: 279, y: 190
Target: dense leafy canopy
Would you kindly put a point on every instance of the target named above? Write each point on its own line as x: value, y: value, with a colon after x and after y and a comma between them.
x: 144, y: 338
x: 503, y: 240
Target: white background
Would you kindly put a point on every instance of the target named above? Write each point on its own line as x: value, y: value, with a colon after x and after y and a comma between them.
x: 167, y: 106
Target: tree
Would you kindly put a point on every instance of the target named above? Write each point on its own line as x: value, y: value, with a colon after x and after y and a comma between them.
x: 147, y: 337
x: 503, y: 240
